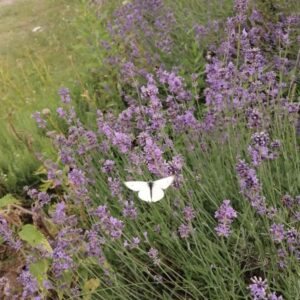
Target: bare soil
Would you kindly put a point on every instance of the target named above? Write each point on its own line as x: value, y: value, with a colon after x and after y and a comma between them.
x: 6, y: 2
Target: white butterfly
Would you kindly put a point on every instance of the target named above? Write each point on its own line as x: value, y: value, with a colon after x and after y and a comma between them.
x: 151, y: 191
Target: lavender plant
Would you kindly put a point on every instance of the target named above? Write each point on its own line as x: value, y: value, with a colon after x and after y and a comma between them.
x: 241, y: 145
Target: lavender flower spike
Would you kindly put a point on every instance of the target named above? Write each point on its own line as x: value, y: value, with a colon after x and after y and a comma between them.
x: 225, y: 216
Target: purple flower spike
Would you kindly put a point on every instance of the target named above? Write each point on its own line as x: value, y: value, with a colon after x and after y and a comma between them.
x: 225, y: 216
x: 258, y: 288
x: 189, y: 213
x: 184, y: 231
x: 59, y: 215
x: 39, y: 120
x: 273, y: 296
x: 29, y: 283
x: 77, y: 177
x: 129, y: 210
x: 277, y: 232
x: 64, y: 95
x: 153, y: 254
x: 8, y: 236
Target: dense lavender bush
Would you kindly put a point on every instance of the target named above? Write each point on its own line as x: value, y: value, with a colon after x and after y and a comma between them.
x: 240, y: 145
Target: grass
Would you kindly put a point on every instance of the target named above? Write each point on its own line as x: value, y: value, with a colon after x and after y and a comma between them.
x: 33, y: 66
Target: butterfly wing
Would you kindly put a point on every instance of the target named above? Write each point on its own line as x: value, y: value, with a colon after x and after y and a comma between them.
x: 142, y: 187
x: 163, y: 183
x: 159, y: 186
x: 136, y: 186
x: 145, y: 194
x: 157, y: 194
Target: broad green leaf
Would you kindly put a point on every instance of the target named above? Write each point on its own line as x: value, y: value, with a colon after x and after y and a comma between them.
x: 34, y: 237
x: 46, y: 245
x: 7, y: 200
x: 51, y: 227
x: 67, y: 276
x: 39, y: 270
x: 46, y: 185
x: 40, y: 171
x: 92, y: 284
x: 90, y: 287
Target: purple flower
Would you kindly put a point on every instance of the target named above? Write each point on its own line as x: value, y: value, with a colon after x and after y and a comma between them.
x: 62, y: 260
x: 29, y: 283
x: 64, y: 95
x: 91, y: 139
x: 200, y: 31
x: 175, y: 166
x: 185, y: 121
x: 66, y: 157
x: 122, y: 141
x: 223, y: 230
x: 134, y: 243
x: 277, y: 232
x: 108, y: 166
x: 32, y: 193
x: 158, y: 278
x: 282, y: 255
x: 292, y: 239
x: 129, y: 210
x: 258, y: 288
x: 225, y: 215
x: 250, y: 187
x: 77, y: 177
x: 61, y: 112
x: 40, y: 122
x: 59, y: 215
x: 247, y: 177
x: 47, y: 284
x: 260, y: 139
x: 153, y: 254
x: 44, y: 198
x: 273, y: 296
x: 189, y: 213
x: 128, y: 70
x: 94, y: 244
x: 114, y: 186
x: 256, y: 16
x: 7, y: 235
x: 287, y: 201
x: 261, y: 149
x: 184, y: 231
x: 254, y: 118
x: 112, y: 226
x: 150, y: 91
x: 65, y: 247
x: 271, y: 212
x: 154, y: 157
x: 275, y: 144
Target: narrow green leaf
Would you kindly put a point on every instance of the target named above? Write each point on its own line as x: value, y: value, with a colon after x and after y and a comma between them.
x: 7, y: 200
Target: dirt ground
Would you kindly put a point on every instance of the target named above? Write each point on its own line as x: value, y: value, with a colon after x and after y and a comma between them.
x: 6, y: 2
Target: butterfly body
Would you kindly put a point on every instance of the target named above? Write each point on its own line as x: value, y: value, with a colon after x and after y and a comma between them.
x: 151, y: 191
x: 150, y: 183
